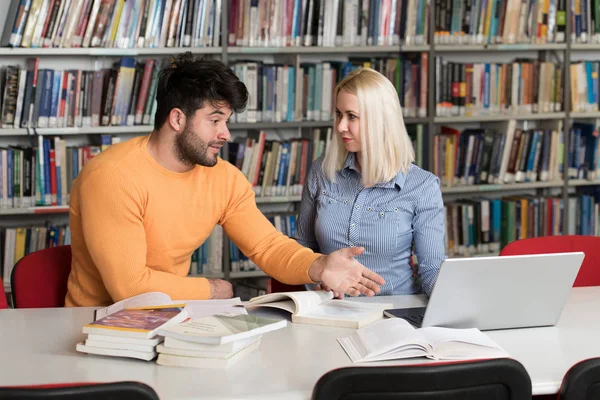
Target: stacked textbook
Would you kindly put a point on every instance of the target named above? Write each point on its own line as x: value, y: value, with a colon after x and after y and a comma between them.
x: 215, y: 341
x: 130, y: 332
x: 129, y: 328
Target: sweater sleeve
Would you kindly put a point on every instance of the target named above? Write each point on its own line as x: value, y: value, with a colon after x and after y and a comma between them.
x: 276, y: 254
x: 112, y: 222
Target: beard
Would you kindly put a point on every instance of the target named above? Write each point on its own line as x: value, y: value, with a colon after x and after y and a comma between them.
x: 192, y: 150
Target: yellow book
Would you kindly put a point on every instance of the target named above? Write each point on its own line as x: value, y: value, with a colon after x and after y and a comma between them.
x: 20, y: 243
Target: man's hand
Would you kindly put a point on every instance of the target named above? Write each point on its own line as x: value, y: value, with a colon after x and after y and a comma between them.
x: 326, y: 288
x: 220, y: 289
x: 340, y: 272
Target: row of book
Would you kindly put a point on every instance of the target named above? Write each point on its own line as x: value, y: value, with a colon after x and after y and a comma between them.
x: 272, y: 23
x: 481, y: 226
x: 500, y: 21
x: 47, y: 98
x: 197, y: 23
x: 20, y: 241
x: 584, y: 86
x: 42, y: 175
x: 124, y: 95
x: 280, y: 92
x: 480, y: 156
x: 585, y: 20
x: 112, y: 23
x: 520, y: 87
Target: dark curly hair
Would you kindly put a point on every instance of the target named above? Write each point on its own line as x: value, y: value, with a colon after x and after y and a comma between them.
x: 189, y: 83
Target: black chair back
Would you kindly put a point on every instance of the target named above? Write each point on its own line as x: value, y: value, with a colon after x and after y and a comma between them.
x: 85, y: 391
x: 495, y: 379
x: 582, y: 381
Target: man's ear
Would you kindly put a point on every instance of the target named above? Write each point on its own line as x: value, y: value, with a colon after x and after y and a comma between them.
x: 176, y: 120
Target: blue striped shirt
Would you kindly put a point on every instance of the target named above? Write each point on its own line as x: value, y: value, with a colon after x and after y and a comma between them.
x: 386, y: 219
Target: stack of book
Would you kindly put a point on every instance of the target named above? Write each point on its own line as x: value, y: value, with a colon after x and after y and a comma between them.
x: 130, y: 332
x: 215, y: 341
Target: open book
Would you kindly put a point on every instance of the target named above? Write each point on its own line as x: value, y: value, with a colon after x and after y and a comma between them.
x: 319, y: 308
x: 395, y: 338
x: 194, y: 308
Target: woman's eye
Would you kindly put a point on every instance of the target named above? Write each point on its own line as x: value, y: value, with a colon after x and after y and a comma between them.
x: 351, y: 117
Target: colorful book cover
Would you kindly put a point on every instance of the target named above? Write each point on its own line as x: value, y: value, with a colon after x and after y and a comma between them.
x: 140, y: 319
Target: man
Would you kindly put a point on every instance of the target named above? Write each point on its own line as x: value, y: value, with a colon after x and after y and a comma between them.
x: 140, y: 208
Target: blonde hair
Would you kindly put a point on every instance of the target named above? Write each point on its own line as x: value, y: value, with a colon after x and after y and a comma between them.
x: 386, y: 146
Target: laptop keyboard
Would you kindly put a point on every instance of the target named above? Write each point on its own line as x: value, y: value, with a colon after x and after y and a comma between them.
x: 415, y: 319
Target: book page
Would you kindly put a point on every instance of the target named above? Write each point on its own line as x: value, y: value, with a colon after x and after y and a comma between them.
x: 203, y: 308
x: 302, y: 300
x: 142, y: 300
x: 343, y: 310
x: 454, y: 344
x: 386, y: 339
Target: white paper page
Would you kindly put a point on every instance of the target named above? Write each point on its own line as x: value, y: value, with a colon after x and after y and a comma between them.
x: 202, y: 308
x: 302, y: 300
x: 344, y: 310
x: 384, y: 336
x: 145, y: 299
x: 451, y: 343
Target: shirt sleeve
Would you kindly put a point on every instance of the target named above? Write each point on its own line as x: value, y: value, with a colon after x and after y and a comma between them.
x: 112, y: 222
x: 305, y: 227
x: 429, y: 231
x: 276, y: 254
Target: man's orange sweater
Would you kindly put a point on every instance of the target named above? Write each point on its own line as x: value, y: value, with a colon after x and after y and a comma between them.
x: 135, y: 224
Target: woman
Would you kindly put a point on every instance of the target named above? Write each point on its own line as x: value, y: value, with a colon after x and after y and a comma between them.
x: 366, y: 192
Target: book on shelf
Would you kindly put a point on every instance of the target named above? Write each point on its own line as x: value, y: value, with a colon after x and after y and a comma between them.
x: 509, y: 154
x: 500, y: 22
x: 318, y: 307
x: 396, y: 339
x: 520, y: 87
x: 327, y: 24
x: 112, y: 23
x: 120, y: 95
x: 223, y: 328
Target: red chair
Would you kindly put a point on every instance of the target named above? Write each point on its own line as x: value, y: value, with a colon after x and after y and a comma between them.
x: 589, y: 273
x: 39, y: 280
x: 81, y: 391
x: 274, y: 286
x: 3, y: 301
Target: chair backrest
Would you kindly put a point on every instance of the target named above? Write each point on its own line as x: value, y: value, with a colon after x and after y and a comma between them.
x: 589, y: 273
x: 274, y: 286
x: 495, y: 379
x: 582, y: 381
x: 39, y: 280
x: 81, y: 391
x: 3, y: 300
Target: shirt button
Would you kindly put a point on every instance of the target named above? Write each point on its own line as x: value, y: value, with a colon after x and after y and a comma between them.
x: 382, y: 213
x: 352, y: 225
x: 323, y: 192
x: 345, y: 201
x: 370, y: 209
x: 396, y: 209
x: 357, y: 206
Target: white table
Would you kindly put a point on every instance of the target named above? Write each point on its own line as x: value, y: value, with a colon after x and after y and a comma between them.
x: 38, y: 346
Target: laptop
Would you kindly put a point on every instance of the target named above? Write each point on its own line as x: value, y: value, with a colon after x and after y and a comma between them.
x: 497, y: 292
